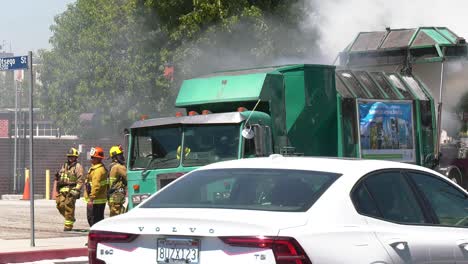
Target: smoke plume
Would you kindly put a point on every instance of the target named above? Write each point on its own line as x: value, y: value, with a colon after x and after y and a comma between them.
x: 339, y: 21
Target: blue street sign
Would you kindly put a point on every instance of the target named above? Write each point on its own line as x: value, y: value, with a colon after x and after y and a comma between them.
x: 14, y: 63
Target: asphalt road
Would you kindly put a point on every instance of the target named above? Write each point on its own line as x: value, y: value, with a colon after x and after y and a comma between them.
x: 15, y: 220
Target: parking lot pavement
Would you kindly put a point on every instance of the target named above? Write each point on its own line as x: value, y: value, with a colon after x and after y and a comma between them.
x: 51, y: 242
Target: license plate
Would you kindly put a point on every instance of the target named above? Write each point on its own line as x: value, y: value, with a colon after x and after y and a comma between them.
x: 178, y: 250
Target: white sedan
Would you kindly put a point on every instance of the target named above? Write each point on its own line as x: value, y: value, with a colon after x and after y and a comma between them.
x: 293, y: 210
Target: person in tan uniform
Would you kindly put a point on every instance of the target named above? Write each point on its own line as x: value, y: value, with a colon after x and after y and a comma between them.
x: 69, y: 180
x: 96, y: 187
x: 117, y: 181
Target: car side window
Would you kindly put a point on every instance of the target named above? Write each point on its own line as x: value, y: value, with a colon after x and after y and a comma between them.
x: 364, y: 202
x: 388, y: 195
x: 449, y: 204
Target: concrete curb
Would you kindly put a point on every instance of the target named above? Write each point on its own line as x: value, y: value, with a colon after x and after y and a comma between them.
x: 37, y: 255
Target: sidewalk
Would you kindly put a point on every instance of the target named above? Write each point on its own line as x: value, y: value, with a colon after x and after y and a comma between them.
x: 52, y: 245
x: 57, y: 249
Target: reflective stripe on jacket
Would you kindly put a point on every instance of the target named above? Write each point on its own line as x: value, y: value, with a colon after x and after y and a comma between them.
x: 72, y: 176
x: 97, y: 179
x: 117, y: 172
x: 117, y: 179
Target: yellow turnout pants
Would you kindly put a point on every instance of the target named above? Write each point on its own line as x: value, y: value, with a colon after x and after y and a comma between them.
x: 66, y: 207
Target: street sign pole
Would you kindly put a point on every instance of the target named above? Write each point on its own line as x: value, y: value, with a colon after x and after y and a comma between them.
x: 15, y: 160
x: 15, y: 63
x: 31, y: 136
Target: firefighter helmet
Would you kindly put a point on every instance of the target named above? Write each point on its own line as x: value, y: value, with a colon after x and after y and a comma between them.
x: 72, y: 152
x: 115, y: 150
x: 97, y: 152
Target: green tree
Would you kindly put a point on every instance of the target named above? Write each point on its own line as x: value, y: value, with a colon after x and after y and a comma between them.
x: 102, y: 62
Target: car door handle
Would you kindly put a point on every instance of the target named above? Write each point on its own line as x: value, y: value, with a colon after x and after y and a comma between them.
x: 398, y: 244
x: 463, y: 244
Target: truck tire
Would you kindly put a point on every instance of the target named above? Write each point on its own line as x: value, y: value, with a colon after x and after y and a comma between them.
x: 455, y: 175
x: 464, y: 173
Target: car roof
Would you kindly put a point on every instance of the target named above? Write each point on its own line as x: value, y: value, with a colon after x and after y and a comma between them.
x: 325, y: 164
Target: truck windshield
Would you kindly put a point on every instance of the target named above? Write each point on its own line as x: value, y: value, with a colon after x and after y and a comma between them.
x: 155, y: 147
x: 210, y: 143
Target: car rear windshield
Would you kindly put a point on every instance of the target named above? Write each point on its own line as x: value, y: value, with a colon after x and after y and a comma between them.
x: 247, y: 189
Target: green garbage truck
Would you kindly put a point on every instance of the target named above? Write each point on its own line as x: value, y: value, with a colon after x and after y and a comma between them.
x: 302, y: 109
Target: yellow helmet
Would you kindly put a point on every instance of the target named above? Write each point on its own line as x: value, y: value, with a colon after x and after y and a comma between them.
x: 72, y: 152
x: 115, y: 150
x: 186, y: 151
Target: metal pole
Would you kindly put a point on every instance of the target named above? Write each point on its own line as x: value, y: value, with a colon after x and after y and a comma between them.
x: 23, y: 112
x: 15, y: 161
x: 31, y: 136
x: 439, y: 111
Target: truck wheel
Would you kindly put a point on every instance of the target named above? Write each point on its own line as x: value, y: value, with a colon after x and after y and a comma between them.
x: 464, y: 179
x: 455, y: 175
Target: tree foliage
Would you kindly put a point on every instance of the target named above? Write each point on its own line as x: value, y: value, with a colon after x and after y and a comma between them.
x: 102, y: 62
x: 108, y: 57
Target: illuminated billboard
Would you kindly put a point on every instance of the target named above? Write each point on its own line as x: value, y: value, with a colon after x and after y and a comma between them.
x: 386, y: 130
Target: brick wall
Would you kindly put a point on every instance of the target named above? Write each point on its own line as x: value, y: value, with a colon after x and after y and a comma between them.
x: 48, y: 154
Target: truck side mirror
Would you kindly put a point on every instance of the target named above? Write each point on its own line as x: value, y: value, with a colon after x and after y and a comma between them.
x: 248, y: 133
x: 263, y: 146
x: 126, y: 133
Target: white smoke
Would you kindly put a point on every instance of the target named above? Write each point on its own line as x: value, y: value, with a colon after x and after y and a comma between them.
x: 339, y: 21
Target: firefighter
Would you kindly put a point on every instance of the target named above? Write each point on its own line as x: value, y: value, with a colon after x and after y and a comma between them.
x: 186, y: 151
x: 96, y: 184
x: 117, y: 181
x: 69, y: 180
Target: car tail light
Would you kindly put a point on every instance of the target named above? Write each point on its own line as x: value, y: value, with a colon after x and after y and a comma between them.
x: 286, y: 249
x: 95, y: 237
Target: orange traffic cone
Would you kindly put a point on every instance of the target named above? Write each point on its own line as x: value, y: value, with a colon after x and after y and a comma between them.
x: 54, y: 191
x: 26, y: 194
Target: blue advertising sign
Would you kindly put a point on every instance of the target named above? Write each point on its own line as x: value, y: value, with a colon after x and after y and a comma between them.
x: 386, y: 130
x: 14, y: 63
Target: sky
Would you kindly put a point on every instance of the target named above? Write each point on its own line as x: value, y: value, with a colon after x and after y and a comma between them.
x: 25, y: 23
